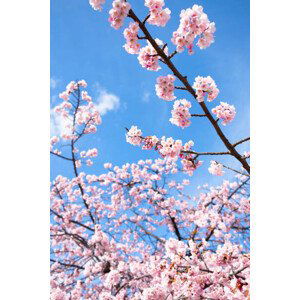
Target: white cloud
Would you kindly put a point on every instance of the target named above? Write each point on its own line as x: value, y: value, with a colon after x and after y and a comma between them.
x: 146, y: 97
x: 58, y: 124
x: 53, y: 82
x: 106, y: 101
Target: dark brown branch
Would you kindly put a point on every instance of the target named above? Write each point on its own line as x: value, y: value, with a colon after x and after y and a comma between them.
x: 170, y: 56
x: 145, y: 20
x: 177, y: 232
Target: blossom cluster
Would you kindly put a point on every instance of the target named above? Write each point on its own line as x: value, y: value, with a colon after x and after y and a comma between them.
x: 205, y: 86
x: 129, y: 203
x: 216, y: 168
x: 79, y: 121
x: 130, y: 34
x: 169, y: 147
x: 118, y: 13
x: 225, y: 112
x: 181, y: 113
x: 188, y: 160
x: 148, y: 57
x: 134, y: 136
x: 96, y: 4
x: 72, y: 87
x: 158, y: 15
x: 165, y: 87
x: 166, y: 147
x: 193, y: 23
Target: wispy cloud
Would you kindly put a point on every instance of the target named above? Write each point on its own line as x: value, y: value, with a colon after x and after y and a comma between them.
x: 106, y: 101
x: 146, y: 96
x: 53, y: 82
x: 58, y: 124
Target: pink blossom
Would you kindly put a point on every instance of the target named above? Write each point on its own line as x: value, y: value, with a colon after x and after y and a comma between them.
x: 170, y: 148
x: 85, y: 96
x: 158, y: 15
x: 78, y: 163
x: 205, y: 86
x: 216, y: 168
x: 96, y: 4
x: 130, y: 34
x: 71, y: 87
x: 148, y: 57
x: 193, y: 22
x: 92, y: 152
x: 150, y: 142
x: 64, y: 95
x: 54, y: 140
x: 82, y: 83
x: 107, y: 165
x: 165, y: 87
x: 118, y: 13
x: 225, y: 112
x: 181, y: 114
x: 134, y: 136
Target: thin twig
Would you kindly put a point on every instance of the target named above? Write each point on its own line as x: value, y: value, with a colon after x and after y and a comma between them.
x: 198, y: 115
x: 241, y: 141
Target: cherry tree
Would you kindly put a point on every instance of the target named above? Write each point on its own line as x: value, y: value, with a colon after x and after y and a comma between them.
x: 134, y: 232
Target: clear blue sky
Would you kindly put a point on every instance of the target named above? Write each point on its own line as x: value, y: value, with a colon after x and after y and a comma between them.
x: 85, y: 46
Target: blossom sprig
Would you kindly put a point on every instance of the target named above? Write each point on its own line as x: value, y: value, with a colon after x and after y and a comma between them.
x: 166, y: 147
x: 205, y: 86
x: 181, y: 113
x: 78, y: 118
x: 118, y: 13
x: 216, y: 168
x: 158, y: 16
x: 165, y: 87
x: 225, y: 112
x: 148, y: 57
x: 75, y: 117
x: 131, y: 36
x: 96, y: 4
x: 193, y: 23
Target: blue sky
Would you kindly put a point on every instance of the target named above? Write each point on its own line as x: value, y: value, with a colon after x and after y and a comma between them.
x: 85, y: 46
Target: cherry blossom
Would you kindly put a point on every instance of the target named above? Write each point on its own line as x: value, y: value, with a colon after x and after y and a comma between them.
x: 87, y: 116
x: 225, y: 112
x: 148, y: 57
x: 96, y: 4
x: 216, y: 168
x: 205, y: 86
x: 130, y: 34
x: 170, y: 147
x: 134, y: 136
x: 165, y: 87
x: 193, y: 23
x: 118, y: 13
x: 140, y: 230
x: 181, y: 114
x: 93, y: 249
x: 158, y: 15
